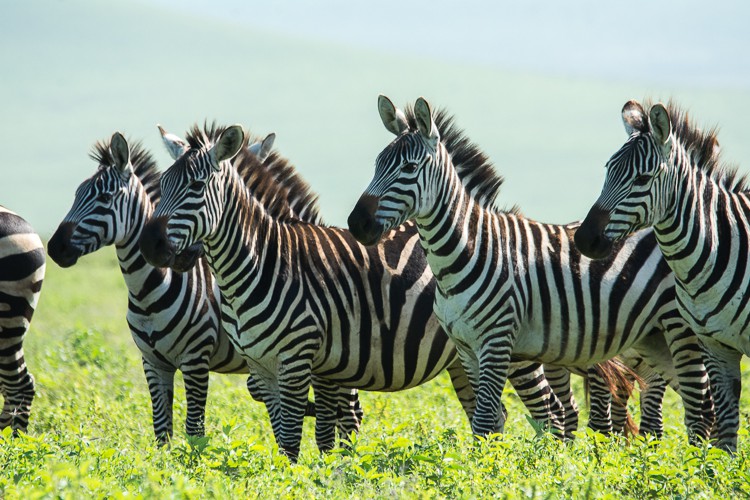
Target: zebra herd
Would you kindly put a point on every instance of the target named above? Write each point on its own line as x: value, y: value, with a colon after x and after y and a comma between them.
x: 229, y: 268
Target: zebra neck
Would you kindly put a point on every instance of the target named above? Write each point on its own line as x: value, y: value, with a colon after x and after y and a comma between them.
x: 243, y: 251
x: 135, y: 270
x: 697, y: 232
x: 455, y: 233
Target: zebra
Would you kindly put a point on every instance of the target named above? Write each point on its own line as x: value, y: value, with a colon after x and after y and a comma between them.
x: 304, y: 299
x: 669, y: 176
x: 173, y: 316
x: 509, y: 286
x: 22, y: 265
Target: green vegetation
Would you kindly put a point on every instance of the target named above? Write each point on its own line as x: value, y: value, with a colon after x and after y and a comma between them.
x: 91, y: 437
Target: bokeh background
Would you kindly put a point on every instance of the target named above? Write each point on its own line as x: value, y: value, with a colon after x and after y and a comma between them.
x: 538, y: 85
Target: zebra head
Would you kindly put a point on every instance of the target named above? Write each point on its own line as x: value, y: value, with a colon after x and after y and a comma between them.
x: 192, y: 200
x: 399, y: 190
x: 102, y: 212
x: 633, y: 183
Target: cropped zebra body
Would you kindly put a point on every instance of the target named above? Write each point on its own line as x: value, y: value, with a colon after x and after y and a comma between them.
x: 22, y: 265
x: 303, y: 299
x: 173, y: 316
x: 509, y: 286
x: 668, y: 175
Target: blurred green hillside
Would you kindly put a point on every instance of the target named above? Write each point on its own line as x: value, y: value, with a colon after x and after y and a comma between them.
x: 75, y: 71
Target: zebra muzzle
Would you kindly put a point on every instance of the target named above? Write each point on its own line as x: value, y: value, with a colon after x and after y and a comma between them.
x: 155, y: 245
x: 589, y: 238
x: 362, y: 222
x: 59, y: 247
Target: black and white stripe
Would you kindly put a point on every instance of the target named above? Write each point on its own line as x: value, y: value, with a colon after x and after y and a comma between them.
x: 305, y: 299
x: 512, y: 287
x: 173, y: 316
x: 22, y: 264
x: 668, y: 175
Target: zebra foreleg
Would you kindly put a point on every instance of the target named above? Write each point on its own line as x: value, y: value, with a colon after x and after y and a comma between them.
x: 161, y: 387
x: 350, y: 414
x: 326, y: 409
x: 462, y: 386
x: 693, y: 380
x: 723, y: 365
x: 18, y: 396
x: 196, y: 391
x: 494, y: 364
x: 294, y: 381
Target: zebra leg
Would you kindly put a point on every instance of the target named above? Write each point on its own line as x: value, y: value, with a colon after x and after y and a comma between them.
x: 16, y: 382
x: 350, y: 413
x: 494, y: 364
x: 653, y: 386
x: 694, y: 389
x: 326, y: 406
x: 295, y: 379
x: 600, y: 402
x: 559, y: 381
x: 462, y: 386
x: 531, y: 384
x: 724, y: 370
x: 258, y: 393
x: 18, y: 395
x: 196, y: 392
x: 652, y: 396
x: 161, y: 386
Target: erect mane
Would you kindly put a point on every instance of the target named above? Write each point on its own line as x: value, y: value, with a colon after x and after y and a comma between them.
x: 143, y: 164
x: 474, y: 168
x: 703, y: 148
x: 274, y: 182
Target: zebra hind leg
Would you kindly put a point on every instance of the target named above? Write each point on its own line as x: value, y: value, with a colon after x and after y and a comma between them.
x: 652, y: 397
x: 533, y: 388
x: 161, y: 386
x: 559, y: 381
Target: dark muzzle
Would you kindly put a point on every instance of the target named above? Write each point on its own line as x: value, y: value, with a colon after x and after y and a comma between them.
x: 362, y: 223
x: 590, y: 239
x: 59, y: 248
x: 155, y: 245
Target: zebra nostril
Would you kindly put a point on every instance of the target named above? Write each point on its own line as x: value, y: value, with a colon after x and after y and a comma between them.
x: 154, y: 245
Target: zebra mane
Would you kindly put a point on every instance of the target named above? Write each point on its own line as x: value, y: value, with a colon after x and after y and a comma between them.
x: 274, y: 182
x: 143, y: 164
x: 474, y: 168
x: 703, y: 148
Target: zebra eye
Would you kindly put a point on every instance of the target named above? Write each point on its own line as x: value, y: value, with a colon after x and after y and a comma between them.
x: 105, y: 197
x: 409, y: 168
x: 197, y: 183
x: 642, y: 179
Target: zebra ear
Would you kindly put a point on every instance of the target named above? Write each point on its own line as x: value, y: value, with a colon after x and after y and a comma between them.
x: 425, y: 123
x: 263, y: 148
x: 634, y: 118
x: 228, y: 145
x: 175, y: 145
x: 121, y: 154
x: 393, y: 118
x: 661, y: 126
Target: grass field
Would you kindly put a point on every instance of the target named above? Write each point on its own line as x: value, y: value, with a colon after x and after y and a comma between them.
x: 76, y: 71
x: 90, y: 434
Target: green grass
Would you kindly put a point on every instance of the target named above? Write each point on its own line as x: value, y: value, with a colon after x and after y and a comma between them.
x: 90, y: 434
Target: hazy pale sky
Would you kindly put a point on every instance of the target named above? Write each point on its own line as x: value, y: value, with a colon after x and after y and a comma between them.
x: 673, y: 42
